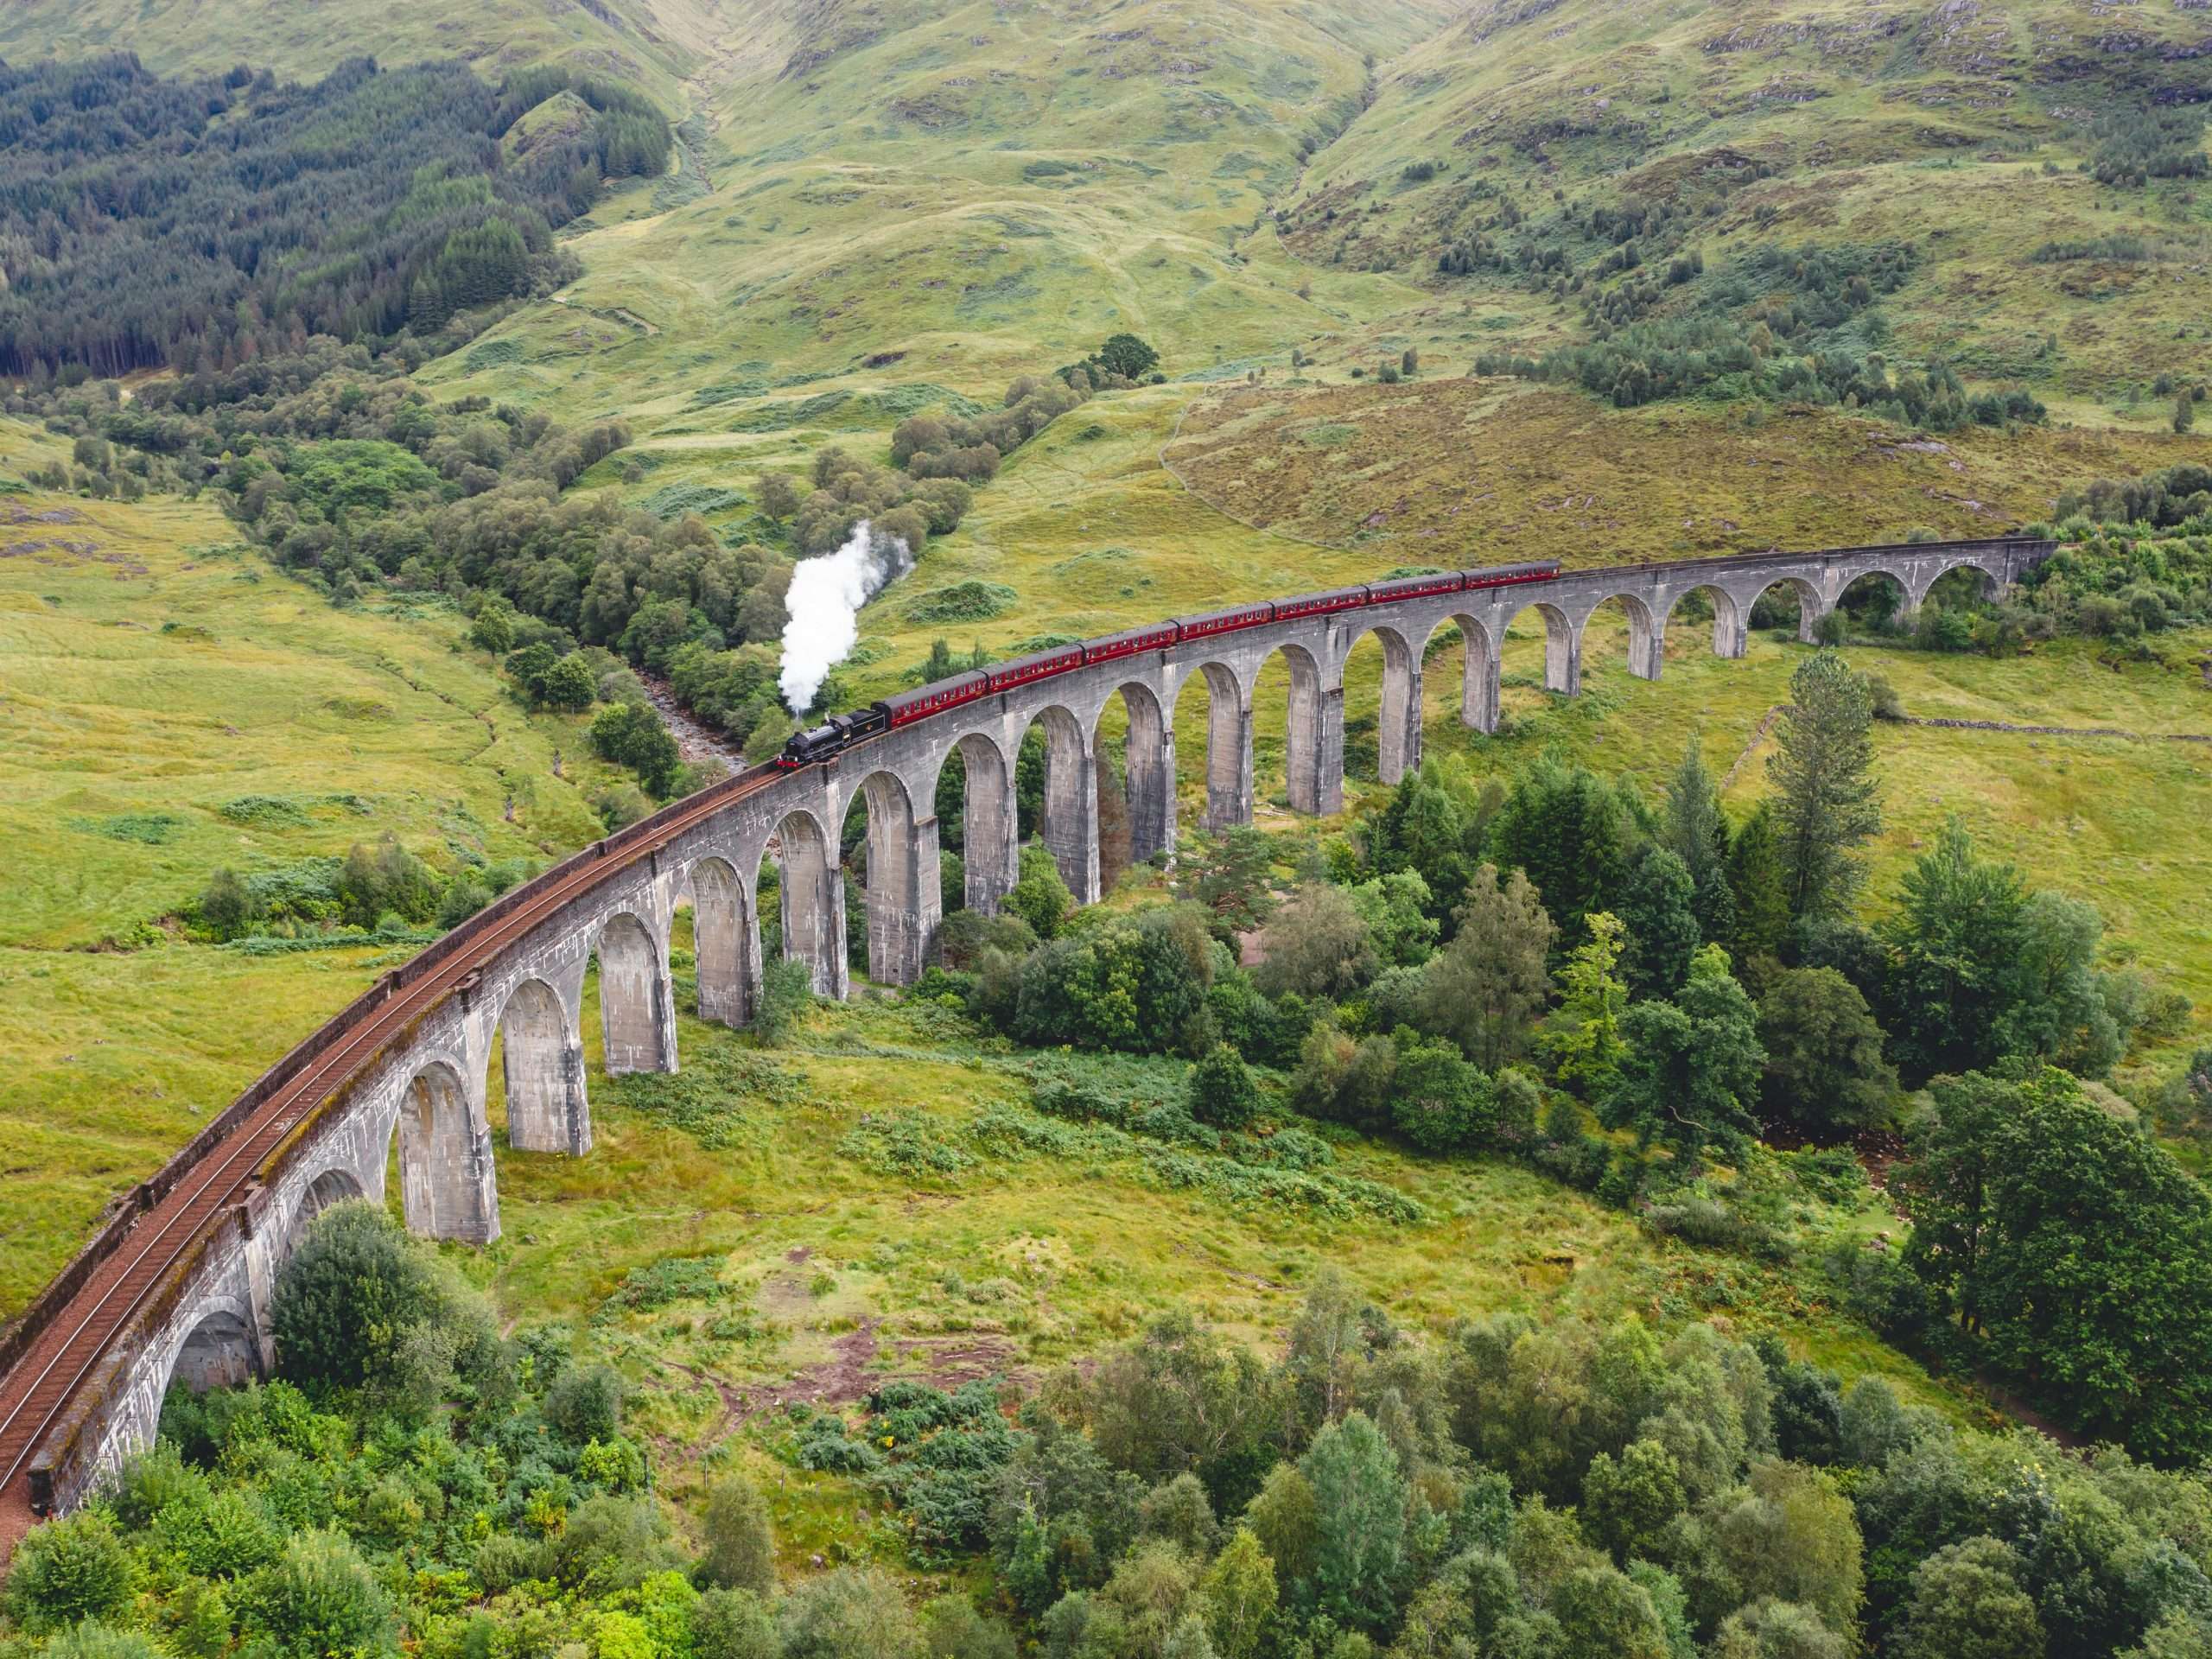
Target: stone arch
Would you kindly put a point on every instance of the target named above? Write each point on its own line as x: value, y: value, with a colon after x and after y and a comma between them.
x: 1069, y: 824
x: 446, y: 1184
x: 1870, y: 580
x: 1478, y: 679
x: 1149, y: 770
x: 811, y: 899
x: 634, y: 1016
x: 1562, y: 647
x: 333, y: 1186
x: 902, y: 914
x: 723, y: 942
x: 1992, y: 583
x: 542, y: 1069
x: 1228, y: 744
x: 989, y: 830
x: 1314, y: 736
x: 1645, y: 635
x: 1397, y: 737
x: 1730, y: 619
x: 219, y: 1352
x: 1811, y: 607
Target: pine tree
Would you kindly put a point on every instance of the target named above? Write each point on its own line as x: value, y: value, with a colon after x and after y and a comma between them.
x: 1696, y: 831
x: 1826, y: 800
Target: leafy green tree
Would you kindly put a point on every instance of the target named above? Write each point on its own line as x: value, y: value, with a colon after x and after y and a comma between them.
x: 1221, y: 1091
x: 1182, y: 1398
x: 1397, y: 909
x: 1485, y: 990
x: 740, y: 1541
x: 492, y: 628
x: 1318, y: 944
x: 1790, y: 1535
x: 320, y: 1599
x: 1658, y: 908
x: 225, y: 909
x: 1286, y: 1517
x: 1132, y: 983
x: 632, y: 735
x: 1605, y: 1614
x: 1441, y: 1103
x: 1228, y: 875
x: 1041, y: 898
x: 1435, y: 824
x: 1695, y: 830
x: 1759, y: 888
x: 1346, y: 1080
x: 1691, y: 1070
x: 1359, y: 1499
x: 585, y: 1404
x: 71, y: 1569
x: 2080, y: 1250
x: 1127, y: 356
x: 1778, y: 1630
x: 849, y: 1612
x: 1955, y: 934
x: 1824, y: 1067
x: 1568, y: 831
x: 346, y: 1299
x: 1827, y: 799
x: 1239, y: 1594
x: 1583, y: 1037
x: 1628, y: 1504
x: 952, y: 1629
x: 1967, y: 1603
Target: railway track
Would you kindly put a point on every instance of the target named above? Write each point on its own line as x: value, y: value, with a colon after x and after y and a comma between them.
x: 37, y: 1389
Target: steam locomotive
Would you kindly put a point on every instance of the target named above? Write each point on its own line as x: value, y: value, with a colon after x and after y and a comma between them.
x: 841, y: 732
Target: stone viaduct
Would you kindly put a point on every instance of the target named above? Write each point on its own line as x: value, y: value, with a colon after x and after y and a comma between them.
x: 177, y: 1287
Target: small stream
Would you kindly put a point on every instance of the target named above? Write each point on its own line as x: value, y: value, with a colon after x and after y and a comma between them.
x: 698, y: 743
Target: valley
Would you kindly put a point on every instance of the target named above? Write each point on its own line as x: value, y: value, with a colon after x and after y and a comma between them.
x: 1020, y: 1307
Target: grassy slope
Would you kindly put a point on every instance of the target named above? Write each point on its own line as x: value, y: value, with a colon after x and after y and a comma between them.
x: 871, y: 191
x: 654, y: 43
x: 150, y: 673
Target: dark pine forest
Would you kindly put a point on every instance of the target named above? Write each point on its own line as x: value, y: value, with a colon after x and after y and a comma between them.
x: 200, y: 223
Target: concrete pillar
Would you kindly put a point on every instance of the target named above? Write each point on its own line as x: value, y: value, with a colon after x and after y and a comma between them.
x: 812, y: 894
x: 1562, y: 654
x: 1647, y: 634
x: 1315, y: 749
x: 1731, y: 624
x: 449, y: 1187
x: 541, y: 1066
x: 724, y: 944
x: 904, y: 902
x: 991, y: 829
x: 1148, y: 756
x: 1398, y: 739
x: 1228, y: 751
x: 636, y: 1003
x: 1480, y: 691
x: 1070, y: 826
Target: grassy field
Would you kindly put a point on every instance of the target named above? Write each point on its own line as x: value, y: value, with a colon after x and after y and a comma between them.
x: 883, y: 209
x: 173, y: 705
x: 830, y: 1274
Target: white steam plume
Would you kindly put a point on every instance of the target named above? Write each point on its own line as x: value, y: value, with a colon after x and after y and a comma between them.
x: 824, y: 602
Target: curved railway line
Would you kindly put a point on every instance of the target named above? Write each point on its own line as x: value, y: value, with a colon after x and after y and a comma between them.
x: 70, y: 1343
x: 51, y: 1359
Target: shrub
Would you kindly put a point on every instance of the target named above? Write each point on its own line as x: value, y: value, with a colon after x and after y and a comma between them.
x: 740, y: 1544
x: 320, y: 1599
x: 1221, y: 1091
x: 349, y: 1296
x: 585, y: 1404
x: 72, y: 1569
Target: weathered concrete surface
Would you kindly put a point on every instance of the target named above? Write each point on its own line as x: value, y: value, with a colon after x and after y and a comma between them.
x: 526, y: 1007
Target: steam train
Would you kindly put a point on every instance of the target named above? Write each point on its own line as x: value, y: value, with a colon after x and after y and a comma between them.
x: 841, y: 732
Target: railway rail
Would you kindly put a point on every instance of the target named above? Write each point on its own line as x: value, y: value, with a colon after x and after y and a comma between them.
x: 122, y: 1268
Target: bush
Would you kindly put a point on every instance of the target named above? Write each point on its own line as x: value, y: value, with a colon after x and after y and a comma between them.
x: 71, y: 1569
x: 849, y: 1613
x: 585, y: 1404
x: 320, y: 1600
x: 349, y: 1298
x: 1221, y: 1091
x: 741, y: 1543
x: 1441, y: 1103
